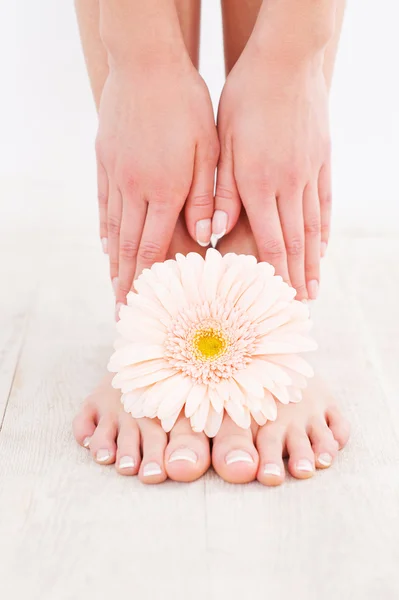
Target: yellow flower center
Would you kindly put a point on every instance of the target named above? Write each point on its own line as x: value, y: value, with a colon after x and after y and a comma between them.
x: 209, y: 343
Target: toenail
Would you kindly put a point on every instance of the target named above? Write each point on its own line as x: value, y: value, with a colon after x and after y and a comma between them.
x: 126, y: 462
x: 304, y: 465
x: 238, y: 456
x: 183, y: 454
x: 152, y: 468
x: 103, y: 455
x: 86, y: 442
x: 272, y: 469
x: 325, y: 459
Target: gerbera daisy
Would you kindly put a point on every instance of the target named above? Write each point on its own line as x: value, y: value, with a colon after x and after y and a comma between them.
x: 214, y: 334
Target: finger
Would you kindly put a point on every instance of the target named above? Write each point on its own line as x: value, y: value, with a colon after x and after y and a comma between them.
x: 132, y: 225
x: 265, y: 224
x: 291, y: 216
x: 227, y: 198
x: 311, y: 218
x: 113, y: 224
x: 199, y: 205
x: 325, y: 199
x: 157, y: 234
x: 102, y: 195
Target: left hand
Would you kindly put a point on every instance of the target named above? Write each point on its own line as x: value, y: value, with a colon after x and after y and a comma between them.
x: 275, y: 158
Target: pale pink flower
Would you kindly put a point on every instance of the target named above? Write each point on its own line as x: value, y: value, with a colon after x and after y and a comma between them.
x: 211, y: 335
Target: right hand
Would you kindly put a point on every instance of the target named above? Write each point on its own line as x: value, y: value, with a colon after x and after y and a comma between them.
x: 156, y: 147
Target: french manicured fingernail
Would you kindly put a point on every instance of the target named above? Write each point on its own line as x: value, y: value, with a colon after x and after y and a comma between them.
x: 126, y: 462
x: 115, y: 283
x: 219, y: 223
x: 183, y: 454
x: 117, y: 310
x: 152, y: 468
x: 323, y: 249
x: 238, y: 456
x: 103, y: 455
x: 313, y: 289
x: 203, y: 230
x: 104, y: 243
x: 325, y: 459
x: 272, y: 469
x: 304, y: 465
x: 86, y: 442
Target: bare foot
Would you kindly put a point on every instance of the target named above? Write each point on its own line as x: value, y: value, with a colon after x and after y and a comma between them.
x: 309, y: 433
x: 140, y: 446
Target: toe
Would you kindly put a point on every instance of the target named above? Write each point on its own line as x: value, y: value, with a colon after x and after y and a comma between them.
x: 187, y: 455
x: 270, y: 445
x: 84, y: 425
x: 102, y: 442
x: 234, y: 456
x: 339, y: 426
x: 301, y: 457
x: 325, y: 447
x: 128, y: 453
x: 153, y: 442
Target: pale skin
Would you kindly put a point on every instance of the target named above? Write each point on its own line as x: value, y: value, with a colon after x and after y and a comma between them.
x: 309, y: 433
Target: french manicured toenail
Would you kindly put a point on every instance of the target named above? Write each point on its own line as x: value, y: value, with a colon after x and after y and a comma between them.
x: 152, y: 468
x: 183, y: 454
x: 304, y: 465
x: 103, y: 455
x: 203, y: 231
x: 86, y: 442
x: 238, y: 456
x: 272, y: 469
x: 325, y: 459
x: 126, y: 462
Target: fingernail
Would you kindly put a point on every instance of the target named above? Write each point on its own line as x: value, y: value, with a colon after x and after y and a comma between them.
x: 238, y: 456
x: 103, y: 455
x: 272, y: 469
x: 183, y: 454
x: 219, y: 223
x: 104, y: 243
x: 313, y: 289
x: 86, y: 442
x: 152, y: 468
x: 325, y: 459
x: 323, y: 249
x: 203, y: 232
x: 126, y: 462
x: 304, y: 465
x: 115, y: 283
x: 117, y: 310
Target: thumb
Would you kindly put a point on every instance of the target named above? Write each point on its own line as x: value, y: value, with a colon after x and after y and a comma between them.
x: 199, y: 206
x: 227, y: 199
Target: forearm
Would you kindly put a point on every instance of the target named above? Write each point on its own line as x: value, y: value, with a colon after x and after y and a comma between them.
x: 131, y: 29
x: 294, y: 30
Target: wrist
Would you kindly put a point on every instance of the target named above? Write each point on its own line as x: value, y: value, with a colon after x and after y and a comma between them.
x: 294, y: 32
x: 136, y: 32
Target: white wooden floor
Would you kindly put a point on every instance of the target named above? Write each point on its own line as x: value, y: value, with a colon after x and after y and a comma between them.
x: 71, y: 529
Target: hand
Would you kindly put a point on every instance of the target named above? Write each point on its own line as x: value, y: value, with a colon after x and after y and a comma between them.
x: 157, y: 148
x: 275, y: 159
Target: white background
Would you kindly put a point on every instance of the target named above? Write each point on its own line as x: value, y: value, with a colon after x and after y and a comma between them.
x: 48, y: 120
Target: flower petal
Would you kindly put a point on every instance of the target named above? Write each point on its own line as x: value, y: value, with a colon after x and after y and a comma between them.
x: 292, y: 361
x: 146, y: 380
x: 213, y: 422
x: 194, y: 399
x: 239, y: 414
x: 175, y: 399
x: 247, y: 379
x: 200, y: 417
x: 134, y: 353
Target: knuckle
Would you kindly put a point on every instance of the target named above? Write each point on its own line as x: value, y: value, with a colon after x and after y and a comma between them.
x: 312, y: 226
x: 223, y: 192
x: 325, y: 229
x: 301, y: 290
x: 102, y: 197
x: 295, y: 247
x: 129, y: 181
x: 149, y: 251
x: 123, y: 289
x: 113, y: 268
x: 201, y: 200
x: 273, y: 248
x: 128, y: 249
x: 113, y: 225
x: 293, y: 178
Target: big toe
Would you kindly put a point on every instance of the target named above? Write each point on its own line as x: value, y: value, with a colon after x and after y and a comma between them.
x: 103, y: 440
x: 187, y: 456
x: 270, y: 445
x: 153, y: 441
x: 234, y: 456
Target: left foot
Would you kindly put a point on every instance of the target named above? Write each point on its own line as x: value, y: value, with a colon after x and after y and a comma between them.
x: 309, y: 433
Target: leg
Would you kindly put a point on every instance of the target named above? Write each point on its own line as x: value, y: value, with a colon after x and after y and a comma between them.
x: 311, y: 432
x: 113, y: 436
